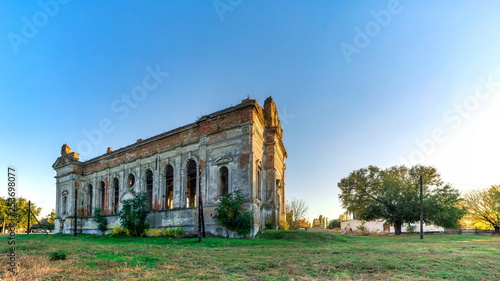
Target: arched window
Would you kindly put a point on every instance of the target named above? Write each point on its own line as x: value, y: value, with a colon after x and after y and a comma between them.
x: 131, y: 180
x: 65, y: 202
x: 90, y: 196
x: 169, y: 188
x: 102, y: 191
x: 116, y: 201
x: 191, y: 169
x: 149, y: 188
x: 223, y: 181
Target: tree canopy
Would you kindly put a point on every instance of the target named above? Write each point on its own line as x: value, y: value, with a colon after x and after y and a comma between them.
x: 20, y: 218
x: 333, y: 224
x: 393, y: 194
x: 483, y: 207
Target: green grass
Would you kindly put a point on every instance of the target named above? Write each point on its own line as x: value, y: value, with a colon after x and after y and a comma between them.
x: 273, y: 255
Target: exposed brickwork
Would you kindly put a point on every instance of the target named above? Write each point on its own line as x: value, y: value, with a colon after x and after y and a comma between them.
x: 168, y: 139
x: 245, y: 157
x: 217, y: 136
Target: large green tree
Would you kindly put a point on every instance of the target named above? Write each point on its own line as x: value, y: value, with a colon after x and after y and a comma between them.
x: 393, y: 194
x: 483, y: 207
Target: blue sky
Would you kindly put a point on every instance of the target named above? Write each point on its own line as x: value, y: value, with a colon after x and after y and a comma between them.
x: 417, y: 83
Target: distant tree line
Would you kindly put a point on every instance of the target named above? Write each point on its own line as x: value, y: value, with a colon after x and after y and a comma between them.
x: 20, y: 216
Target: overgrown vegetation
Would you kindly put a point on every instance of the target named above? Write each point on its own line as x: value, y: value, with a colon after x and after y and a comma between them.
x: 118, y: 231
x: 231, y: 215
x: 133, y: 214
x: 274, y: 255
x: 411, y: 228
x: 166, y: 232
x: 362, y: 229
x: 283, y: 224
x: 100, y: 220
x: 333, y: 224
x: 269, y: 224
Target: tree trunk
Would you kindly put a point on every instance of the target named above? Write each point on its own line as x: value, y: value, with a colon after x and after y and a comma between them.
x: 497, y: 228
x: 397, y: 227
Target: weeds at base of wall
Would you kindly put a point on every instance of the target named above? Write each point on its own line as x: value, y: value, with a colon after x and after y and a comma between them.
x: 118, y: 231
x: 166, y: 232
x: 269, y: 224
x: 283, y: 224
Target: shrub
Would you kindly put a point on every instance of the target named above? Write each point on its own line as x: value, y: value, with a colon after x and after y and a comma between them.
x: 119, y: 231
x: 133, y: 214
x: 100, y: 220
x: 283, y: 224
x: 153, y: 232
x: 363, y: 230
x: 174, y: 232
x: 54, y: 256
x: 333, y: 224
x: 165, y: 232
x: 270, y: 224
x: 231, y: 215
x: 411, y: 228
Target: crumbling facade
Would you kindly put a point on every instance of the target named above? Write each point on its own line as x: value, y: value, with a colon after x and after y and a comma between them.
x: 184, y: 172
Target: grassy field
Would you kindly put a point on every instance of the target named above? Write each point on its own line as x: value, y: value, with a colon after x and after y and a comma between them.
x: 275, y: 255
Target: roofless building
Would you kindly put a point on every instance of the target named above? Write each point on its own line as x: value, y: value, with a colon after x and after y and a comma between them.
x: 237, y: 148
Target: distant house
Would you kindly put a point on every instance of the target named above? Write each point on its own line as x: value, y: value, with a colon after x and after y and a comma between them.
x: 380, y: 225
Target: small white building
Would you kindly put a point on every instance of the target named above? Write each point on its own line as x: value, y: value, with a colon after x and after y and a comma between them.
x: 381, y: 226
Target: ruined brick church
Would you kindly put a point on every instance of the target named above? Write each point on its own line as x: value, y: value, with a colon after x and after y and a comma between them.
x: 184, y: 172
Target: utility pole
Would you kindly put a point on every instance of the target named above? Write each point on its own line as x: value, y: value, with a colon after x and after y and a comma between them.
x: 202, y: 216
x: 76, y: 208
x: 199, y: 201
x: 201, y: 220
x: 29, y: 217
x: 421, y: 209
